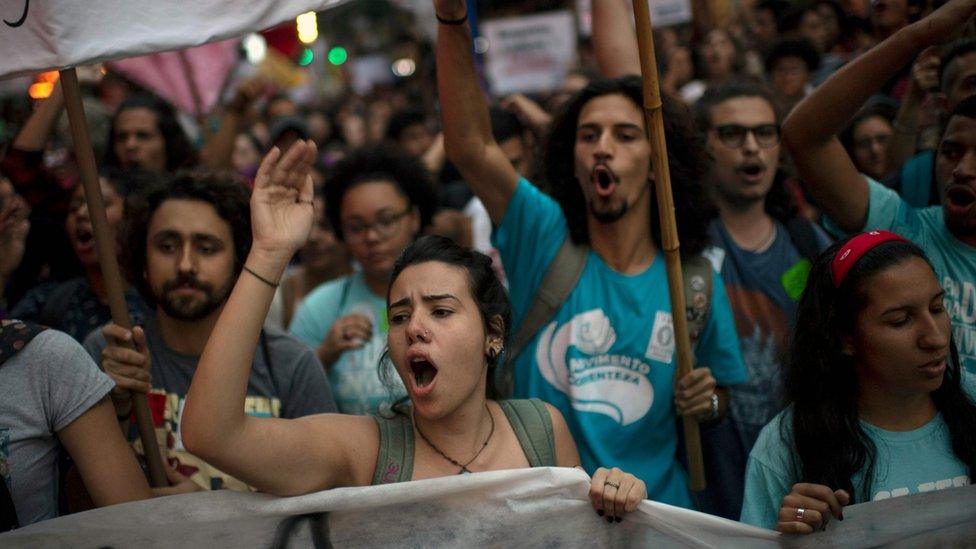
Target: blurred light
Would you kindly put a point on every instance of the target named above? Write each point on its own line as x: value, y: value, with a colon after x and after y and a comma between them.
x: 307, y: 56
x: 256, y: 48
x: 308, y: 27
x: 103, y: 69
x: 404, y: 67
x: 40, y: 90
x: 481, y: 44
x: 43, y: 85
x: 338, y: 55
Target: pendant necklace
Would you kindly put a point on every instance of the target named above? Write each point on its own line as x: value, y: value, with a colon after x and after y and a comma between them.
x: 463, y: 467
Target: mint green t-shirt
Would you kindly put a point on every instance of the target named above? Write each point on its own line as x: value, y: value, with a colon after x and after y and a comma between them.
x: 907, y: 462
x: 354, y: 377
x: 954, y: 261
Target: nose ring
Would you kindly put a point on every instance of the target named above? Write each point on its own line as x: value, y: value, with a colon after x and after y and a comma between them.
x: 426, y: 337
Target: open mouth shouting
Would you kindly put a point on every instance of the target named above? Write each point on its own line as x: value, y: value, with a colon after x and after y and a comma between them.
x: 84, y: 238
x: 751, y: 171
x: 604, y: 180
x: 423, y: 373
x: 959, y: 199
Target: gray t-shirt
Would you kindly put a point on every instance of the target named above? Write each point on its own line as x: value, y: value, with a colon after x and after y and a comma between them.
x: 293, y: 385
x: 47, y: 385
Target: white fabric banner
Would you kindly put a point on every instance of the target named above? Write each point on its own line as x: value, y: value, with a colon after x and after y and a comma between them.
x: 38, y: 35
x: 545, y: 507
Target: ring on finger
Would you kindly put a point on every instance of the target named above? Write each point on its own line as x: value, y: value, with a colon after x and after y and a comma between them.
x: 610, y: 483
x: 800, y: 511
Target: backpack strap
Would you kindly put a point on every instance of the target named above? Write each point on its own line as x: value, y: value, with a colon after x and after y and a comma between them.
x: 560, y: 279
x: 533, y: 426
x: 804, y: 237
x: 394, y: 462
x: 696, y: 274
x: 15, y: 336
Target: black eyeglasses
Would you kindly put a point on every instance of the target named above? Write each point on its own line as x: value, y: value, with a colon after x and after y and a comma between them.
x: 385, y: 226
x: 734, y: 135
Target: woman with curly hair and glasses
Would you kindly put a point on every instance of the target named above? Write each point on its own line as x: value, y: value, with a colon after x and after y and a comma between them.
x: 378, y: 201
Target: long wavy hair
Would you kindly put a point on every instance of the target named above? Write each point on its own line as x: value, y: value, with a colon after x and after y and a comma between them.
x: 822, y: 385
x: 687, y: 159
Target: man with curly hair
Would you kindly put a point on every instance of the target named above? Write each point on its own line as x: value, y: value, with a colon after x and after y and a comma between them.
x: 183, y: 246
x: 606, y: 358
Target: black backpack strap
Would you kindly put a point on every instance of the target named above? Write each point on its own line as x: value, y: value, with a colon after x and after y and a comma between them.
x: 696, y: 273
x: 533, y: 427
x: 804, y: 237
x: 560, y: 279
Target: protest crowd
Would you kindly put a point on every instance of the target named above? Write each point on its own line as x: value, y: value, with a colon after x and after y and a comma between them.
x: 443, y: 272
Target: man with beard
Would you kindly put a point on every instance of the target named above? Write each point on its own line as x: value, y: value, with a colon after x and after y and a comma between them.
x: 606, y: 356
x: 184, y: 244
x: 763, y: 249
x: 854, y: 202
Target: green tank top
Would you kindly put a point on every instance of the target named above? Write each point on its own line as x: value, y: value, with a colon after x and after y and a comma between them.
x: 529, y: 419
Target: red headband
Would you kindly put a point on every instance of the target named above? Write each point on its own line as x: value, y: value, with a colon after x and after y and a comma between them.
x: 854, y: 249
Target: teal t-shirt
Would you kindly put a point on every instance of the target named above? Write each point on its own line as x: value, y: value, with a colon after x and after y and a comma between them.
x: 954, y: 262
x: 354, y: 377
x: 907, y: 462
x: 606, y: 360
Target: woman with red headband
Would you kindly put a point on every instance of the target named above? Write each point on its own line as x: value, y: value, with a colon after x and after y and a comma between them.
x: 877, y: 407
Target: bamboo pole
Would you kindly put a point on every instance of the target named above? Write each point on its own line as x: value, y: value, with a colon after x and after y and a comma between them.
x: 107, y: 258
x: 654, y: 121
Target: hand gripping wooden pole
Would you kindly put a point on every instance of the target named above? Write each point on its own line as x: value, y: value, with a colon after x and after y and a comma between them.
x: 654, y: 121
x: 107, y: 259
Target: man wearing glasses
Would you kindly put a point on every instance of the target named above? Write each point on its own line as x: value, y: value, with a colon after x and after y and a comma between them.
x: 763, y: 250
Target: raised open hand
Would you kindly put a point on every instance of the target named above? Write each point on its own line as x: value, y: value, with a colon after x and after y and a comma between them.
x: 281, y: 204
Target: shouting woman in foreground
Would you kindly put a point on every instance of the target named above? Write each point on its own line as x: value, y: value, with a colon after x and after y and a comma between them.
x: 448, y: 323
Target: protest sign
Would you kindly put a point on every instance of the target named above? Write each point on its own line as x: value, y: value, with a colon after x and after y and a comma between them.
x: 529, y: 54
x: 664, y: 13
x: 51, y: 34
x: 543, y: 507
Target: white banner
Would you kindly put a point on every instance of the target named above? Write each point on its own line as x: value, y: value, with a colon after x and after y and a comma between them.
x: 519, y: 508
x: 531, y: 53
x: 545, y: 507
x: 38, y: 35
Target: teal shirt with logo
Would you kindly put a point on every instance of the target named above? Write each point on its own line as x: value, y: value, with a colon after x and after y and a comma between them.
x: 607, y: 359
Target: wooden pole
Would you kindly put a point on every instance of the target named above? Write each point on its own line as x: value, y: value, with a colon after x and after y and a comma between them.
x: 107, y: 260
x: 654, y: 121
